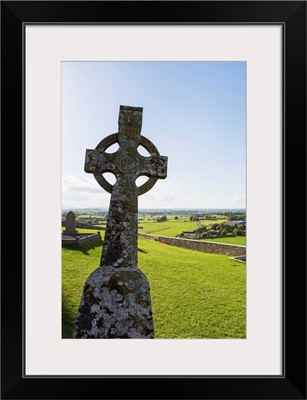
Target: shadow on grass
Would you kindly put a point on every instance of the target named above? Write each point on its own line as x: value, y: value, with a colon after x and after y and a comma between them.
x: 68, y: 318
x: 85, y: 247
x: 90, y: 246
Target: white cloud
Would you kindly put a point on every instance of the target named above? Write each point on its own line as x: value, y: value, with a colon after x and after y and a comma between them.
x: 239, y: 199
x: 165, y: 194
x: 79, y: 183
x: 80, y: 191
x: 83, y: 191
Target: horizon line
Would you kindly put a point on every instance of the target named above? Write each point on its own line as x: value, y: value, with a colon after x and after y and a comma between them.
x: 161, y: 208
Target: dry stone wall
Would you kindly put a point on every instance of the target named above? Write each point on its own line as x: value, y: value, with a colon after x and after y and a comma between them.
x: 199, y: 245
x: 79, y: 241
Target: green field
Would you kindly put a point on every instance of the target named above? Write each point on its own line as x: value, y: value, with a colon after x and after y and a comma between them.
x: 240, y: 240
x: 194, y: 294
x: 147, y: 223
x: 167, y: 228
x: 172, y: 227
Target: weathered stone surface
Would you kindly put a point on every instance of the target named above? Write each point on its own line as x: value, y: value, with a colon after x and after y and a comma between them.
x: 115, y: 304
x: 116, y: 297
x: 70, y: 224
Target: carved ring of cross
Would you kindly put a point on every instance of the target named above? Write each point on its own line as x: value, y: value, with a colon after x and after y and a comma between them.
x: 112, y: 139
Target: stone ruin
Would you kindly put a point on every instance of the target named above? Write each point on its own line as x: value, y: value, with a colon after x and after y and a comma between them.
x: 116, y: 299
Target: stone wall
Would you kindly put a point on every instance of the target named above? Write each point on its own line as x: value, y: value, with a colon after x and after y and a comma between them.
x: 89, y: 238
x: 79, y: 241
x: 199, y: 245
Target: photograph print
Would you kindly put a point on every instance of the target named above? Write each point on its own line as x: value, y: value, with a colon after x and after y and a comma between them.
x: 154, y: 200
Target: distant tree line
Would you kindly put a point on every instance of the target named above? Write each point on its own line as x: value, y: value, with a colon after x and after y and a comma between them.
x: 162, y: 219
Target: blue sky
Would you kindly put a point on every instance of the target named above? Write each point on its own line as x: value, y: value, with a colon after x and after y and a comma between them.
x: 193, y: 112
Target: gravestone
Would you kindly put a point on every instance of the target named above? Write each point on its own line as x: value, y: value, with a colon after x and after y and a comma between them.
x: 116, y: 297
x: 70, y: 225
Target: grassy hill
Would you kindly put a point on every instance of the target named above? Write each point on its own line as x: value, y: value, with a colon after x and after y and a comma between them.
x: 239, y: 240
x: 172, y: 227
x: 194, y: 294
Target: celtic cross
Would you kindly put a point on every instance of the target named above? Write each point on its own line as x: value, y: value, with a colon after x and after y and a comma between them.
x: 127, y: 164
x: 116, y: 296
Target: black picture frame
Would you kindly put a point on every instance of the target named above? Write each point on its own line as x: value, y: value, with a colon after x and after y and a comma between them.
x: 292, y: 16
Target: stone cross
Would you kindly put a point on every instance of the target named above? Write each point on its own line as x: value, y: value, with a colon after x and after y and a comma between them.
x: 116, y: 297
x: 70, y: 225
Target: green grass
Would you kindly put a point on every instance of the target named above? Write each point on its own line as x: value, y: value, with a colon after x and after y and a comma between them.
x: 194, y: 294
x: 240, y: 240
x: 167, y: 228
x: 172, y: 227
